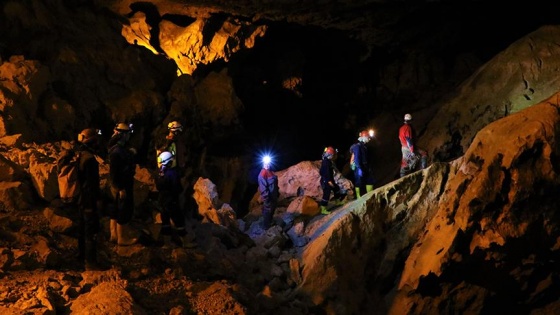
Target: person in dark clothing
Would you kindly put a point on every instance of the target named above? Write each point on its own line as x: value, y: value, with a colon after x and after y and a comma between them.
x: 168, y: 184
x: 174, y: 143
x: 410, y: 158
x: 121, y: 180
x: 363, y: 176
x: 268, y: 188
x: 328, y: 184
x: 88, y: 212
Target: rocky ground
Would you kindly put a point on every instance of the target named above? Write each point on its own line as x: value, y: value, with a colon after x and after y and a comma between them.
x: 232, y: 270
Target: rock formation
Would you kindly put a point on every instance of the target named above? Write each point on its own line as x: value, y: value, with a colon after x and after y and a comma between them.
x: 474, y: 233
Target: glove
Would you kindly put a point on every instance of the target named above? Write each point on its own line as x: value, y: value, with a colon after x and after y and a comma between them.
x: 353, y: 166
x: 122, y: 194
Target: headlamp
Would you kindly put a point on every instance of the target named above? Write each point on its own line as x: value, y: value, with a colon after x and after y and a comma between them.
x: 266, y: 159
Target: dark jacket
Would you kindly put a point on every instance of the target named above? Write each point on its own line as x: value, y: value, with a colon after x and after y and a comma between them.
x: 121, y: 165
x: 88, y: 175
x: 268, y: 185
x: 327, y: 171
x: 168, y: 183
x: 359, y: 152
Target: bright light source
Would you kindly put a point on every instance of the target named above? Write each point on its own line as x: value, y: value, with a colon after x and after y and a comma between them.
x: 266, y: 159
x: 371, y: 133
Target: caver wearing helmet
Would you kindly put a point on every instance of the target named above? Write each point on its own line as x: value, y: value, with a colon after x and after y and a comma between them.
x: 363, y: 175
x: 88, y: 179
x: 169, y: 187
x: 328, y: 184
x: 410, y: 153
x: 269, y: 191
x: 172, y: 142
x: 122, y: 167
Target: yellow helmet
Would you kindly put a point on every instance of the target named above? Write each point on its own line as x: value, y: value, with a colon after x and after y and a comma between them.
x: 89, y: 135
x: 122, y: 127
x: 175, y: 126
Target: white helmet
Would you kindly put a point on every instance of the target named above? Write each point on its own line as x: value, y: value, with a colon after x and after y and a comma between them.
x: 407, y: 117
x: 165, y: 158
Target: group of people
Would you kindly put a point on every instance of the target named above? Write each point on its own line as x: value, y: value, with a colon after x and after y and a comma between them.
x: 364, y: 179
x: 122, y: 167
x: 169, y: 183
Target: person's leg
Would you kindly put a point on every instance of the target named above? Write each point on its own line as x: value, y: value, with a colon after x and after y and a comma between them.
x: 91, y: 230
x: 165, y: 231
x: 325, y: 199
x: 267, y: 214
x: 338, y: 195
x: 358, y: 182
x: 114, y: 215
x: 178, y: 217
x: 405, y: 161
x: 126, y: 211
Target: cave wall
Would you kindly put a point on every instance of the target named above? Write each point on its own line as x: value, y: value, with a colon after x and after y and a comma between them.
x: 318, y: 76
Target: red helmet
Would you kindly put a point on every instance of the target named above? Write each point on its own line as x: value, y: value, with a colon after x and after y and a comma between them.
x: 330, y: 150
x: 364, y: 133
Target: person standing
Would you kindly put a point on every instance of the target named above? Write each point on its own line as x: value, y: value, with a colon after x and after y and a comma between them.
x: 268, y: 189
x: 121, y: 180
x: 407, y: 137
x: 328, y: 184
x: 88, y: 177
x: 363, y: 176
x: 174, y: 143
x: 168, y: 184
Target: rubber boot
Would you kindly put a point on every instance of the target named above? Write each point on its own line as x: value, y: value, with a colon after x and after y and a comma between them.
x: 91, y: 262
x: 340, y: 202
x: 369, y: 188
x: 358, y: 195
x: 324, y: 210
x: 123, y: 239
x: 113, y: 229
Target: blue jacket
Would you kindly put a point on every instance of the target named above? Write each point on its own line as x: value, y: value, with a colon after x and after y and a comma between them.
x: 268, y: 185
x: 359, y: 150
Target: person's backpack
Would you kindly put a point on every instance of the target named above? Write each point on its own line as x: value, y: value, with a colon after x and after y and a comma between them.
x: 68, y: 182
